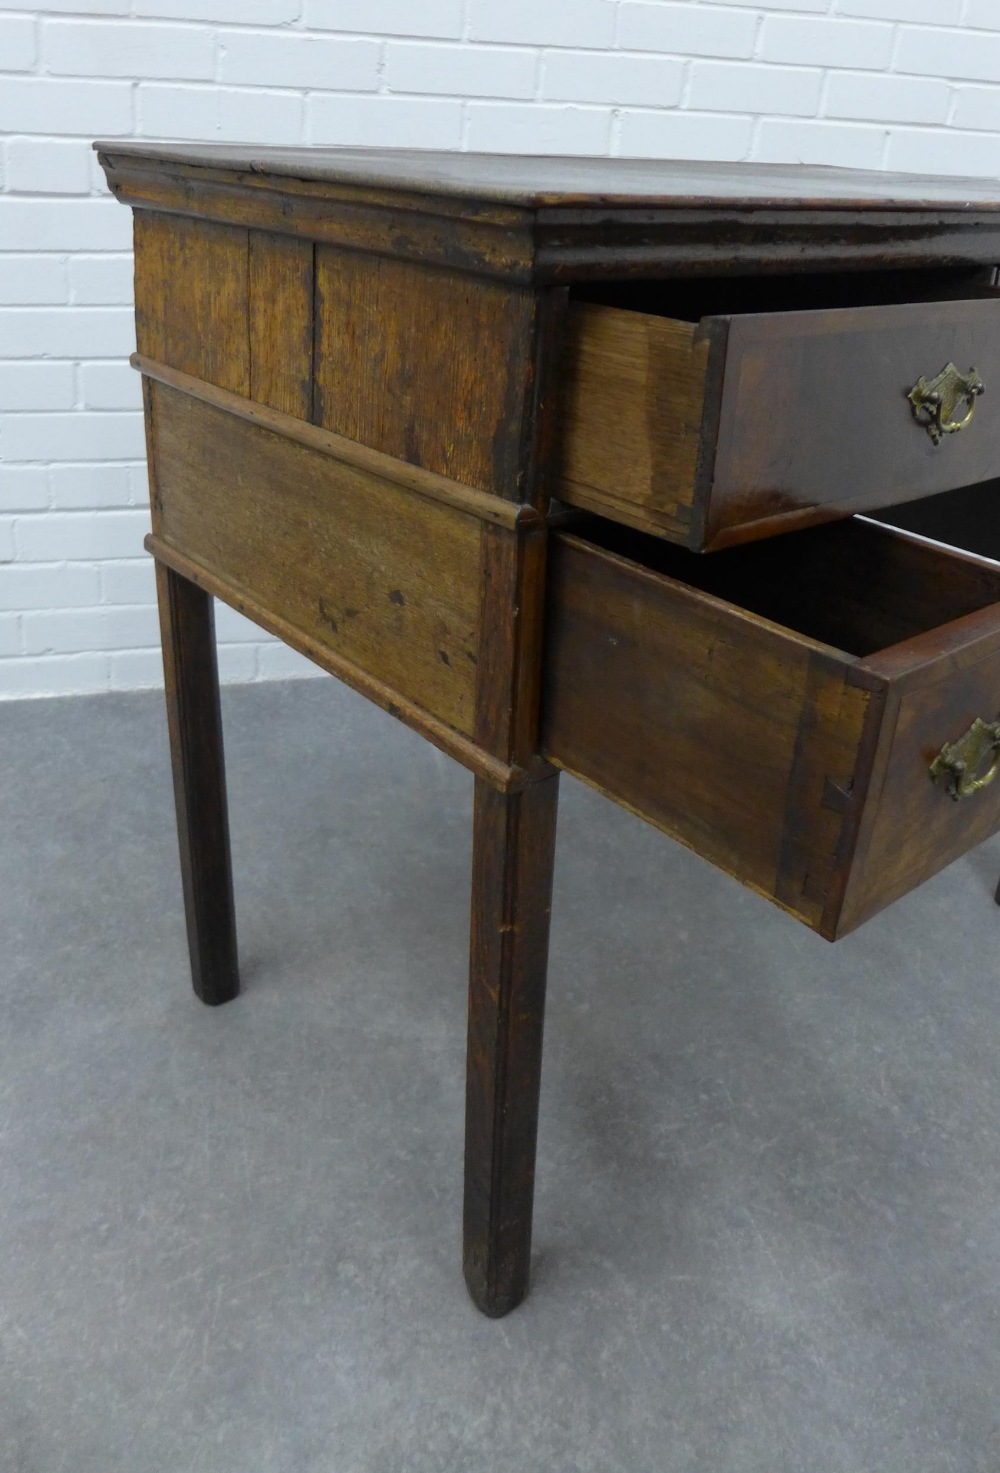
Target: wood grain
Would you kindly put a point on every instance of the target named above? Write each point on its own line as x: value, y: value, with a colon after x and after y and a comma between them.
x: 281, y: 322
x: 194, y: 720
x: 192, y: 293
x: 634, y: 405
x: 425, y: 364
x: 512, y: 864
x: 388, y: 580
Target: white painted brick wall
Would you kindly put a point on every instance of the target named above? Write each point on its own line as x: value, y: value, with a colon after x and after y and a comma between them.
x: 905, y: 84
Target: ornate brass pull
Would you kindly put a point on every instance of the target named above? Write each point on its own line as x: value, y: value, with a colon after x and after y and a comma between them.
x: 935, y: 403
x: 956, y: 765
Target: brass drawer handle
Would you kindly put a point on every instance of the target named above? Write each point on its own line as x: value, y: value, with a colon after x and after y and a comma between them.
x: 956, y: 765
x: 935, y: 403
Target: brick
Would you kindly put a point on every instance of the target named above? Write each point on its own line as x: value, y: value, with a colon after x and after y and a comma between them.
x: 886, y: 99
x: 75, y: 631
x: 299, y: 61
x: 387, y: 17
x: 97, y: 281
x: 10, y: 634
x: 23, y: 488
x: 935, y: 12
x: 91, y: 485
x: 44, y: 105
x: 577, y: 23
x: 48, y: 585
x: 237, y: 12
x: 278, y: 662
x: 136, y: 669
x: 128, y: 582
x: 276, y: 116
x: 812, y: 41
x: 79, y: 537
x: 29, y: 280
x: 820, y: 7
x: 682, y: 135
x: 47, y: 166
x: 538, y: 128
x: 75, y: 7
x: 387, y: 121
x: 64, y: 224
x: 229, y: 114
x: 61, y: 675
x: 238, y: 662
x: 6, y: 539
x: 719, y: 86
x: 466, y: 71
x: 609, y: 77
x: 78, y: 436
x: 930, y: 151
x: 36, y: 385
x: 975, y: 107
x: 110, y: 386
x: 843, y: 144
x: 101, y: 48
x: 932, y: 52
x: 234, y: 628
x: 983, y: 14
x: 18, y: 43
x: 67, y: 332
x: 687, y: 30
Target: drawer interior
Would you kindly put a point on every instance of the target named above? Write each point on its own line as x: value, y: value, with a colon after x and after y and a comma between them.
x: 691, y: 299
x: 855, y: 586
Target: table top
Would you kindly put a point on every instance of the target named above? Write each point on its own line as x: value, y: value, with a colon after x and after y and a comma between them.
x: 607, y: 183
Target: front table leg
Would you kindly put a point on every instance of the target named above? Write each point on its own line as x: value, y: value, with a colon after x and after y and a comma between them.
x: 194, y: 717
x: 513, y: 851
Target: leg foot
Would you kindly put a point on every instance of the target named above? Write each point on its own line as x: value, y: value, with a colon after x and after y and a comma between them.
x: 513, y: 851
x: 195, y: 720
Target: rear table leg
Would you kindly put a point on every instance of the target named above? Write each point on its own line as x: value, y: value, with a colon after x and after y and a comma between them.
x: 194, y: 717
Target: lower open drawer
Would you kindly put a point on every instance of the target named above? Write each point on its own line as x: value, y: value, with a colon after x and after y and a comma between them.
x: 816, y: 714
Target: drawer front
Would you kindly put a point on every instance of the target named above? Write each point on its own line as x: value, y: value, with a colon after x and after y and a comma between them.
x: 801, y: 770
x: 740, y: 427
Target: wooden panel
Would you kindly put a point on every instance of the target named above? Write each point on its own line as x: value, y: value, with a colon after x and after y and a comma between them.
x: 633, y: 405
x: 281, y: 322
x: 426, y: 364
x: 191, y: 295
x: 720, y: 729
x: 388, y: 579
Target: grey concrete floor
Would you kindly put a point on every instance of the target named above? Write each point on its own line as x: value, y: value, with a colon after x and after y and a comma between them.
x: 768, y: 1211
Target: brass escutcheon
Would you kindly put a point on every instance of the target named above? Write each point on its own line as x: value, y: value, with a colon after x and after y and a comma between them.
x: 935, y: 403
x: 956, y: 765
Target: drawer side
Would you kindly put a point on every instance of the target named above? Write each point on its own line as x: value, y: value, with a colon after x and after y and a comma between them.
x: 739, y: 739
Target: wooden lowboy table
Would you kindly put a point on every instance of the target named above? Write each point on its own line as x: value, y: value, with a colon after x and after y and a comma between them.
x: 507, y: 445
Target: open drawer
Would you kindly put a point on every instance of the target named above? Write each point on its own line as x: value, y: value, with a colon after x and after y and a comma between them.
x: 814, y: 714
x: 712, y: 427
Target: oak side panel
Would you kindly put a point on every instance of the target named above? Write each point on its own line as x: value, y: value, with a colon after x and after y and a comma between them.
x: 191, y: 297
x: 426, y: 364
x: 384, y: 577
x: 719, y: 729
x: 633, y: 407
x: 281, y: 322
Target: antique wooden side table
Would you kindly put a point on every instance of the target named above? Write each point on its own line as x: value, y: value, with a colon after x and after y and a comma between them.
x: 558, y: 462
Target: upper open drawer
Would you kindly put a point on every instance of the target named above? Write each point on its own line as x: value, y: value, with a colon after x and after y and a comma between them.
x: 740, y: 425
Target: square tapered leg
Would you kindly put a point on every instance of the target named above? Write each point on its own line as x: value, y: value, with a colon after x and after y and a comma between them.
x: 194, y: 717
